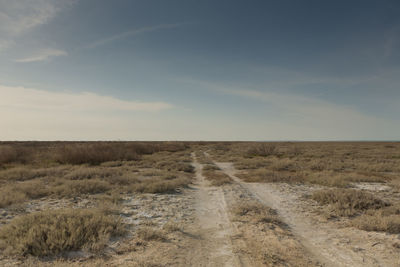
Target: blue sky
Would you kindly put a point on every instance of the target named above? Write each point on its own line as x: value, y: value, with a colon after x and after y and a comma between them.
x: 199, y: 70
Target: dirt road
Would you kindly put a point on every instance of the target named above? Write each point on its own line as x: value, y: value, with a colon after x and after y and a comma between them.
x: 330, y: 245
x: 215, y: 233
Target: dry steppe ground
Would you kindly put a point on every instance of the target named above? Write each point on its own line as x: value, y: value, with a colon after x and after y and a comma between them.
x: 199, y: 204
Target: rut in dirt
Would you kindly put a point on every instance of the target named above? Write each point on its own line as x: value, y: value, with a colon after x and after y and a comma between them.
x: 215, y: 231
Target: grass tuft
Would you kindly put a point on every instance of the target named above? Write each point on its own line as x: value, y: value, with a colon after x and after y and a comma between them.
x: 50, y: 233
x: 348, y: 202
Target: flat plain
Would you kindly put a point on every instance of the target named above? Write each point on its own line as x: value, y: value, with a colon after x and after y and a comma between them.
x: 199, y: 204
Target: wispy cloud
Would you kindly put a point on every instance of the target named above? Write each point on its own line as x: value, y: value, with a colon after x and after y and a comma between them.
x: 17, y: 17
x: 40, y: 100
x: 32, y: 114
x: 309, y: 118
x: 43, y: 55
x: 131, y: 33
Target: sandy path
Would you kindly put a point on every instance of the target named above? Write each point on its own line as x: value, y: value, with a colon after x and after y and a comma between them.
x: 331, y: 246
x: 215, y: 231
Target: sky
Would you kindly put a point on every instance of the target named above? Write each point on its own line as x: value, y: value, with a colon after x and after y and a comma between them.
x: 199, y: 70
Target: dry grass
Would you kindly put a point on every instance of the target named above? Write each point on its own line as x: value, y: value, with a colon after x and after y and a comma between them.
x: 51, y: 233
x: 386, y: 219
x: 19, y: 192
x: 261, y: 149
x: 168, y: 172
x: 52, y: 171
x: 172, y: 226
x: 148, y: 233
x: 389, y: 224
x: 269, y: 176
x: 94, y: 153
x: 336, y: 164
x: 217, y: 178
x: 256, y: 212
x: 160, y: 185
x: 80, y: 187
x: 210, y: 167
x: 348, y: 202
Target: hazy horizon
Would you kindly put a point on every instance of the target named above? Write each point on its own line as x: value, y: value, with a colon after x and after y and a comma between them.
x: 199, y: 70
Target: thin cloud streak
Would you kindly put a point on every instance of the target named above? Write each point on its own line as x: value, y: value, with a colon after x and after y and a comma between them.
x: 27, y: 99
x: 43, y: 55
x: 310, y: 117
x: 32, y: 114
x: 131, y: 33
x: 17, y: 17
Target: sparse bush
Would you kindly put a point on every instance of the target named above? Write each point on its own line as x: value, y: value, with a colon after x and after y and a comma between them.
x: 19, y: 192
x: 49, y: 233
x: 85, y: 172
x: 10, y: 196
x: 284, y: 165
x: 23, y: 173
x: 217, y: 178
x: 348, y: 202
x: 17, y: 154
x: 173, y: 165
x: 262, y: 150
x: 255, y: 211
x: 160, y: 185
x: 171, y: 226
x: 251, y: 163
x: 268, y: 176
x: 210, y: 167
x: 96, y: 153
x: 148, y: 233
x: 73, y: 188
x: 8, y: 154
x: 389, y: 224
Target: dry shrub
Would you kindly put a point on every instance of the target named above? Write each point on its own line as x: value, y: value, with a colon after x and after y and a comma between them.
x: 73, y: 188
x: 210, y: 167
x: 16, y: 193
x: 18, y: 153
x: 262, y: 150
x: 172, y: 226
x: 284, y: 165
x: 251, y: 163
x: 389, y: 224
x: 48, y: 233
x: 386, y: 219
x: 255, y: 211
x: 23, y: 173
x: 348, y: 202
x: 8, y: 154
x: 148, y: 233
x: 327, y: 178
x: 396, y: 184
x: 217, y: 178
x: 10, y: 196
x: 84, y: 172
x: 156, y: 185
x: 173, y: 165
x: 125, y: 179
x: 96, y: 153
x: 268, y: 176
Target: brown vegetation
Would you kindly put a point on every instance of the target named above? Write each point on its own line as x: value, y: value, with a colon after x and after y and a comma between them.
x: 216, y: 177
x: 348, y: 202
x: 255, y: 211
x: 50, y: 233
